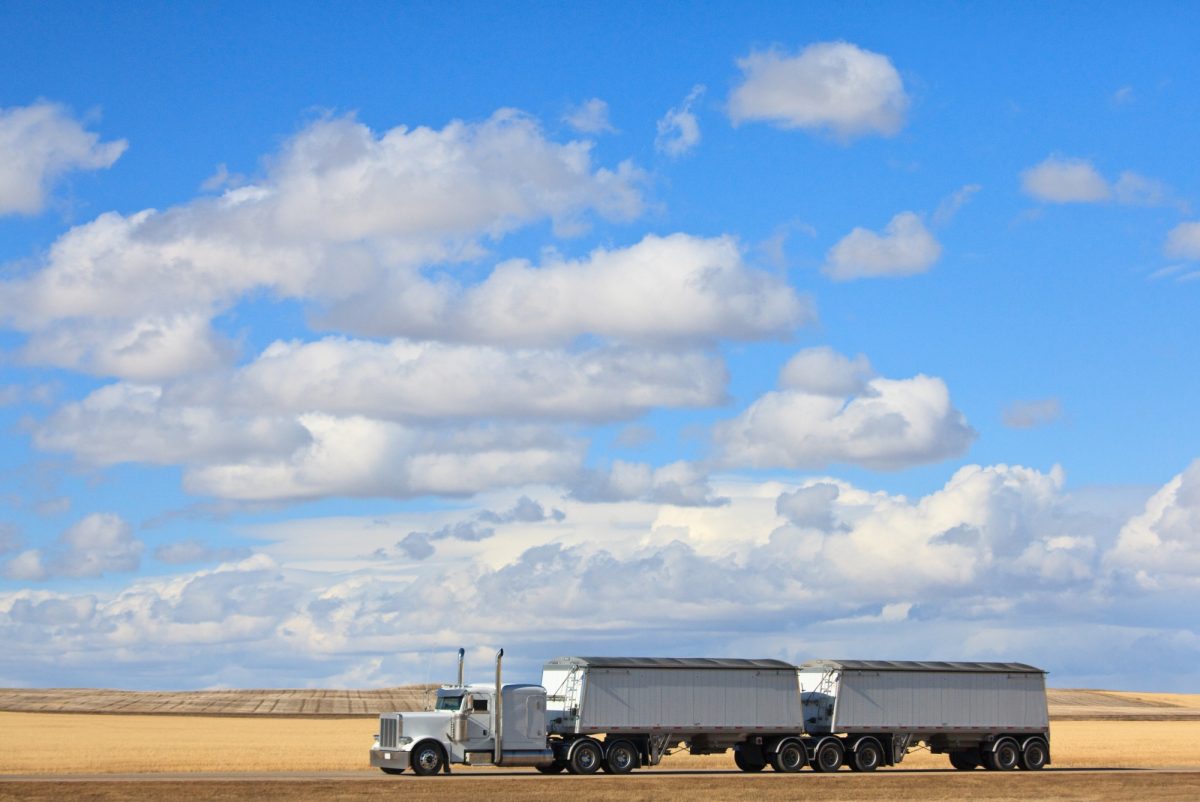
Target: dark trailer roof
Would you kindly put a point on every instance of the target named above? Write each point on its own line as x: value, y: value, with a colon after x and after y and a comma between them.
x: 669, y: 662
x: 922, y: 665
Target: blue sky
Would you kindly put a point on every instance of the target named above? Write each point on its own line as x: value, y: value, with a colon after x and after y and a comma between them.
x: 332, y: 338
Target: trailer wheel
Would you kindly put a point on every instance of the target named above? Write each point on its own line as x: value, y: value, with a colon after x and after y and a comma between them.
x: 829, y: 756
x: 746, y: 762
x: 1004, y: 757
x: 1035, y: 755
x: 790, y: 757
x: 965, y: 760
x: 551, y: 768
x: 585, y: 757
x: 867, y: 755
x: 620, y: 758
x: 427, y: 759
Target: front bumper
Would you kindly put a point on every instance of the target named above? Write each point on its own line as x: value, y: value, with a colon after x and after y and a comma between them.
x: 389, y: 758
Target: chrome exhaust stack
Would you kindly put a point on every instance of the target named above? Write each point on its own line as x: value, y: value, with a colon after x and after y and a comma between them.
x: 461, y: 655
x: 498, y: 728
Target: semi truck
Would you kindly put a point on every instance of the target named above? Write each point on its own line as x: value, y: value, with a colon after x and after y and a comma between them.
x: 617, y: 714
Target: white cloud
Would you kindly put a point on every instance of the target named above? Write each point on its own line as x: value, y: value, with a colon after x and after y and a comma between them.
x: 1064, y: 180
x: 823, y: 371
x: 1032, y: 413
x: 100, y: 543
x: 678, y: 130
x: 404, y: 380
x: 904, y: 248
x: 361, y: 457
x: 193, y: 551
x: 1160, y: 548
x: 889, y: 424
x: 679, y: 483
x: 590, y: 117
x: 38, y: 145
x: 1060, y: 179
x: 677, y: 288
x: 986, y: 561
x: 341, y: 212
x: 828, y: 85
x: 1183, y: 241
x: 952, y: 203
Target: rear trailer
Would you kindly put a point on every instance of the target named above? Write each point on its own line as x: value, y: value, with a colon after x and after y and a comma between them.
x: 980, y: 714
x: 645, y: 705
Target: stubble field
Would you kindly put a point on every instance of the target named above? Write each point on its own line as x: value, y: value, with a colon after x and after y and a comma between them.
x: 1105, y: 745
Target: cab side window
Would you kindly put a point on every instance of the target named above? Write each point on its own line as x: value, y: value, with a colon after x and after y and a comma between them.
x: 479, y: 705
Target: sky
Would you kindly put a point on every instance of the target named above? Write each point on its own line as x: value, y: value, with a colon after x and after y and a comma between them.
x: 336, y: 336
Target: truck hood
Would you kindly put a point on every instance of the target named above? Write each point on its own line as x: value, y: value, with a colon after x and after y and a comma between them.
x: 429, y: 724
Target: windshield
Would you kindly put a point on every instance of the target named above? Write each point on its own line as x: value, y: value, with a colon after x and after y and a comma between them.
x: 449, y: 703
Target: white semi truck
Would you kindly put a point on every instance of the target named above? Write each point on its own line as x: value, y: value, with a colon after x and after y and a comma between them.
x: 617, y: 714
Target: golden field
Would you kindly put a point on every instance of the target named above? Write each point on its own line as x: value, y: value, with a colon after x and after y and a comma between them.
x: 65, y: 743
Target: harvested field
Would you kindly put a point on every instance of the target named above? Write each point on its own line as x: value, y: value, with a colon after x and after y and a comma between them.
x: 767, y: 787
x: 66, y: 743
x: 302, y: 702
x: 1065, y: 704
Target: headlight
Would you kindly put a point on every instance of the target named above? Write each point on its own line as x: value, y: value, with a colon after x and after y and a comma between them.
x: 404, y: 741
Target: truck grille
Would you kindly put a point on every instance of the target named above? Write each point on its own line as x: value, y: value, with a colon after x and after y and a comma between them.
x: 390, y: 729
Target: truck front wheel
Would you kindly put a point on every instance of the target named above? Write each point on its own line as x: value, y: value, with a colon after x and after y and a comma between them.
x: 427, y: 759
x: 585, y: 758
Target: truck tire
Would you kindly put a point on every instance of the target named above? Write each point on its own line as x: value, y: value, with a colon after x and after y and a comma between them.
x: 551, y: 768
x: 790, y: 757
x: 1004, y: 757
x: 866, y: 756
x: 427, y: 759
x: 829, y: 756
x: 1035, y: 755
x: 748, y: 760
x: 386, y: 770
x: 965, y: 759
x: 620, y: 758
x: 585, y: 757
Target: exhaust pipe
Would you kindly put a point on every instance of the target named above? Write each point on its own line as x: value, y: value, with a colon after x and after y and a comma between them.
x: 461, y: 654
x: 498, y: 728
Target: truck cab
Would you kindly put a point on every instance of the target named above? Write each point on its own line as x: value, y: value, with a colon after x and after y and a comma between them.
x: 464, y: 728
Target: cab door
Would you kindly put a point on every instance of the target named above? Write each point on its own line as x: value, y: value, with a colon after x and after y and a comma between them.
x: 479, y: 720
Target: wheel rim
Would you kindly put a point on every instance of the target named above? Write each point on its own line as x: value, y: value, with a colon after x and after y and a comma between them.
x: 586, y: 758
x: 1006, y: 756
x: 868, y: 757
x: 622, y: 758
x: 829, y: 758
x: 1034, y: 755
x: 427, y: 759
x: 790, y: 758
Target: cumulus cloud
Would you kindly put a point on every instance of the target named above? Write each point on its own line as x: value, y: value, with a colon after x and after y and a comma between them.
x: 888, y: 424
x: 39, y: 144
x: 1160, y: 547
x: 823, y: 371
x: 833, y: 86
x: 1031, y: 414
x: 340, y: 211
x: 100, y: 543
x: 1183, y: 242
x: 904, y: 248
x: 678, y: 130
x: 676, y: 288
x: 590, y: 117
x: 361, y: 457
x: 1000, y: 560
x: 184, y: 552
x: 420, y: 545
x: 680, y: 483
x: 404, y: 380
x: 1060, y: 179
x: 952, y: 203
